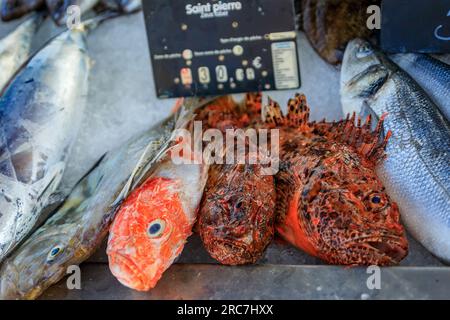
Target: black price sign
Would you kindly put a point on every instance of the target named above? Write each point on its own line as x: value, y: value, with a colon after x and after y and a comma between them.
x: 416, y: 26
x: 218, y: 47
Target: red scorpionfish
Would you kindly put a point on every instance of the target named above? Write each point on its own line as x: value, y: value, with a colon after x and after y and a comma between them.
x: 330, y: 202
x: 237, y: 213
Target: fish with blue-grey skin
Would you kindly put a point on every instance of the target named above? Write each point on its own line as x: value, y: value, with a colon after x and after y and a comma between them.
x: 14, y: 9
x: 416, y: 172
x: 78, y: 228
x: 15, y: 48
x: 431, y: 74
x: 40, y: 114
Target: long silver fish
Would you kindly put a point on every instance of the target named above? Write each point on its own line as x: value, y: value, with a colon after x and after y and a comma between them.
x: 431, y: 74
x: 15, y: 48
x: 40, y: 114
x: 76, y: 230
x: 417, y: 170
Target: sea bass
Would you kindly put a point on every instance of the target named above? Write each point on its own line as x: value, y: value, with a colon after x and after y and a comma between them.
x: 76, y: 230
x: 154, y: 222
x: 40, y: 114
x: 330, y: 203
x: 431, y: 74
x: 237, y: 215
x: 15, y: 48
x: 416, y: 172
x: 14, y: 9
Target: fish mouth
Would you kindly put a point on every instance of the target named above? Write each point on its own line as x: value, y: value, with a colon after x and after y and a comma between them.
x: 389, y: 250
x: 231, y: 252
x: 128, y: 272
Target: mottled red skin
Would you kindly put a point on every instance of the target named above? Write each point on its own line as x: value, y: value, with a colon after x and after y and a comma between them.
x: 330, y: 202
x: 237, y: 213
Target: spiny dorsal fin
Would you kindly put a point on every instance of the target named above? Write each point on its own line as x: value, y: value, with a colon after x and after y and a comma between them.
x: 253, y: 102
x: 298, y: 113
x: 369, y: 144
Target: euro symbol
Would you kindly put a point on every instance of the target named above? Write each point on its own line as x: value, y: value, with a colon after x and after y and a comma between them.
x: 437, y: 32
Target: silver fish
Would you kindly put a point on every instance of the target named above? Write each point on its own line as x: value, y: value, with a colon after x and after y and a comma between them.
x: 431, y: 74
x: 76, y: 230
x: 16, y: 47
x: 416, y: 171
x: 40, y: 113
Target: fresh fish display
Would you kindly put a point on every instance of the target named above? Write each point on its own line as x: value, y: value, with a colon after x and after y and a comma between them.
x: 237, y: 215
x: 154, y: 222
x: 416, y: 172
x: 15, y: 48
x: 14, y: 9
x: 50, y: 89
x: 76, y: 230
x: 330, y: 24
x: 330, y: 202
x: 431, y: 74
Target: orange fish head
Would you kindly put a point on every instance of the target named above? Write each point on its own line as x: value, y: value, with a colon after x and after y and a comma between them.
x: 351, y: 218
x: 148, y: 234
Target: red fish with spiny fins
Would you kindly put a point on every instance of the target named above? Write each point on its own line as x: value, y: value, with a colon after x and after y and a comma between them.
x: 330, y: 202
x: 237, y: 213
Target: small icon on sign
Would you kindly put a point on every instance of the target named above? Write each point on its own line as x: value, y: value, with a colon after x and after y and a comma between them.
x: 186, y: 76
x: 257, y: 62
x: 187, y: 54
x: 250, y: 74
x: 221, y: 73
x: 240, y: 74
x: 238, y: 50
x: 204, y: 75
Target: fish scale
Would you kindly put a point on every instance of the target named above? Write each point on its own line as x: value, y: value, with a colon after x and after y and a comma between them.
x: 431, y: 74
x: 417, y: 170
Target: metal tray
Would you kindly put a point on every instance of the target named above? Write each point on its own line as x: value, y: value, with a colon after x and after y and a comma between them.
x: 121, y: 84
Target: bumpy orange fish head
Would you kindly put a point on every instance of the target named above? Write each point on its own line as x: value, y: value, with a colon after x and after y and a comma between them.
x: 348, y: 212
x: 148, y: 234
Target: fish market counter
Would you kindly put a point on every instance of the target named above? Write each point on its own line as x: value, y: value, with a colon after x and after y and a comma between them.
x: 121, y: 103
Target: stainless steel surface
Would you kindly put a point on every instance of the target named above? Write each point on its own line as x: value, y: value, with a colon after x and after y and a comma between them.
x: 200, y: 281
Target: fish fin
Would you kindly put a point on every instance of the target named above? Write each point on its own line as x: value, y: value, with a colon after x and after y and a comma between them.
x: 298, y: 114
x: 253, y: 102
x: 369, y: 143
x: 368, y: 113
x: 51, y: 183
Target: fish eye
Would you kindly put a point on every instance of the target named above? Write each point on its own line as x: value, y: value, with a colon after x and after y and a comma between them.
x: 156, y: 228
x: 54, y: 252
x: 364, y: 51
x: 376, y: 199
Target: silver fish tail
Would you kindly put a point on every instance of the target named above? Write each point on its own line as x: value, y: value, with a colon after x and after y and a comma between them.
x: 15, y: 48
